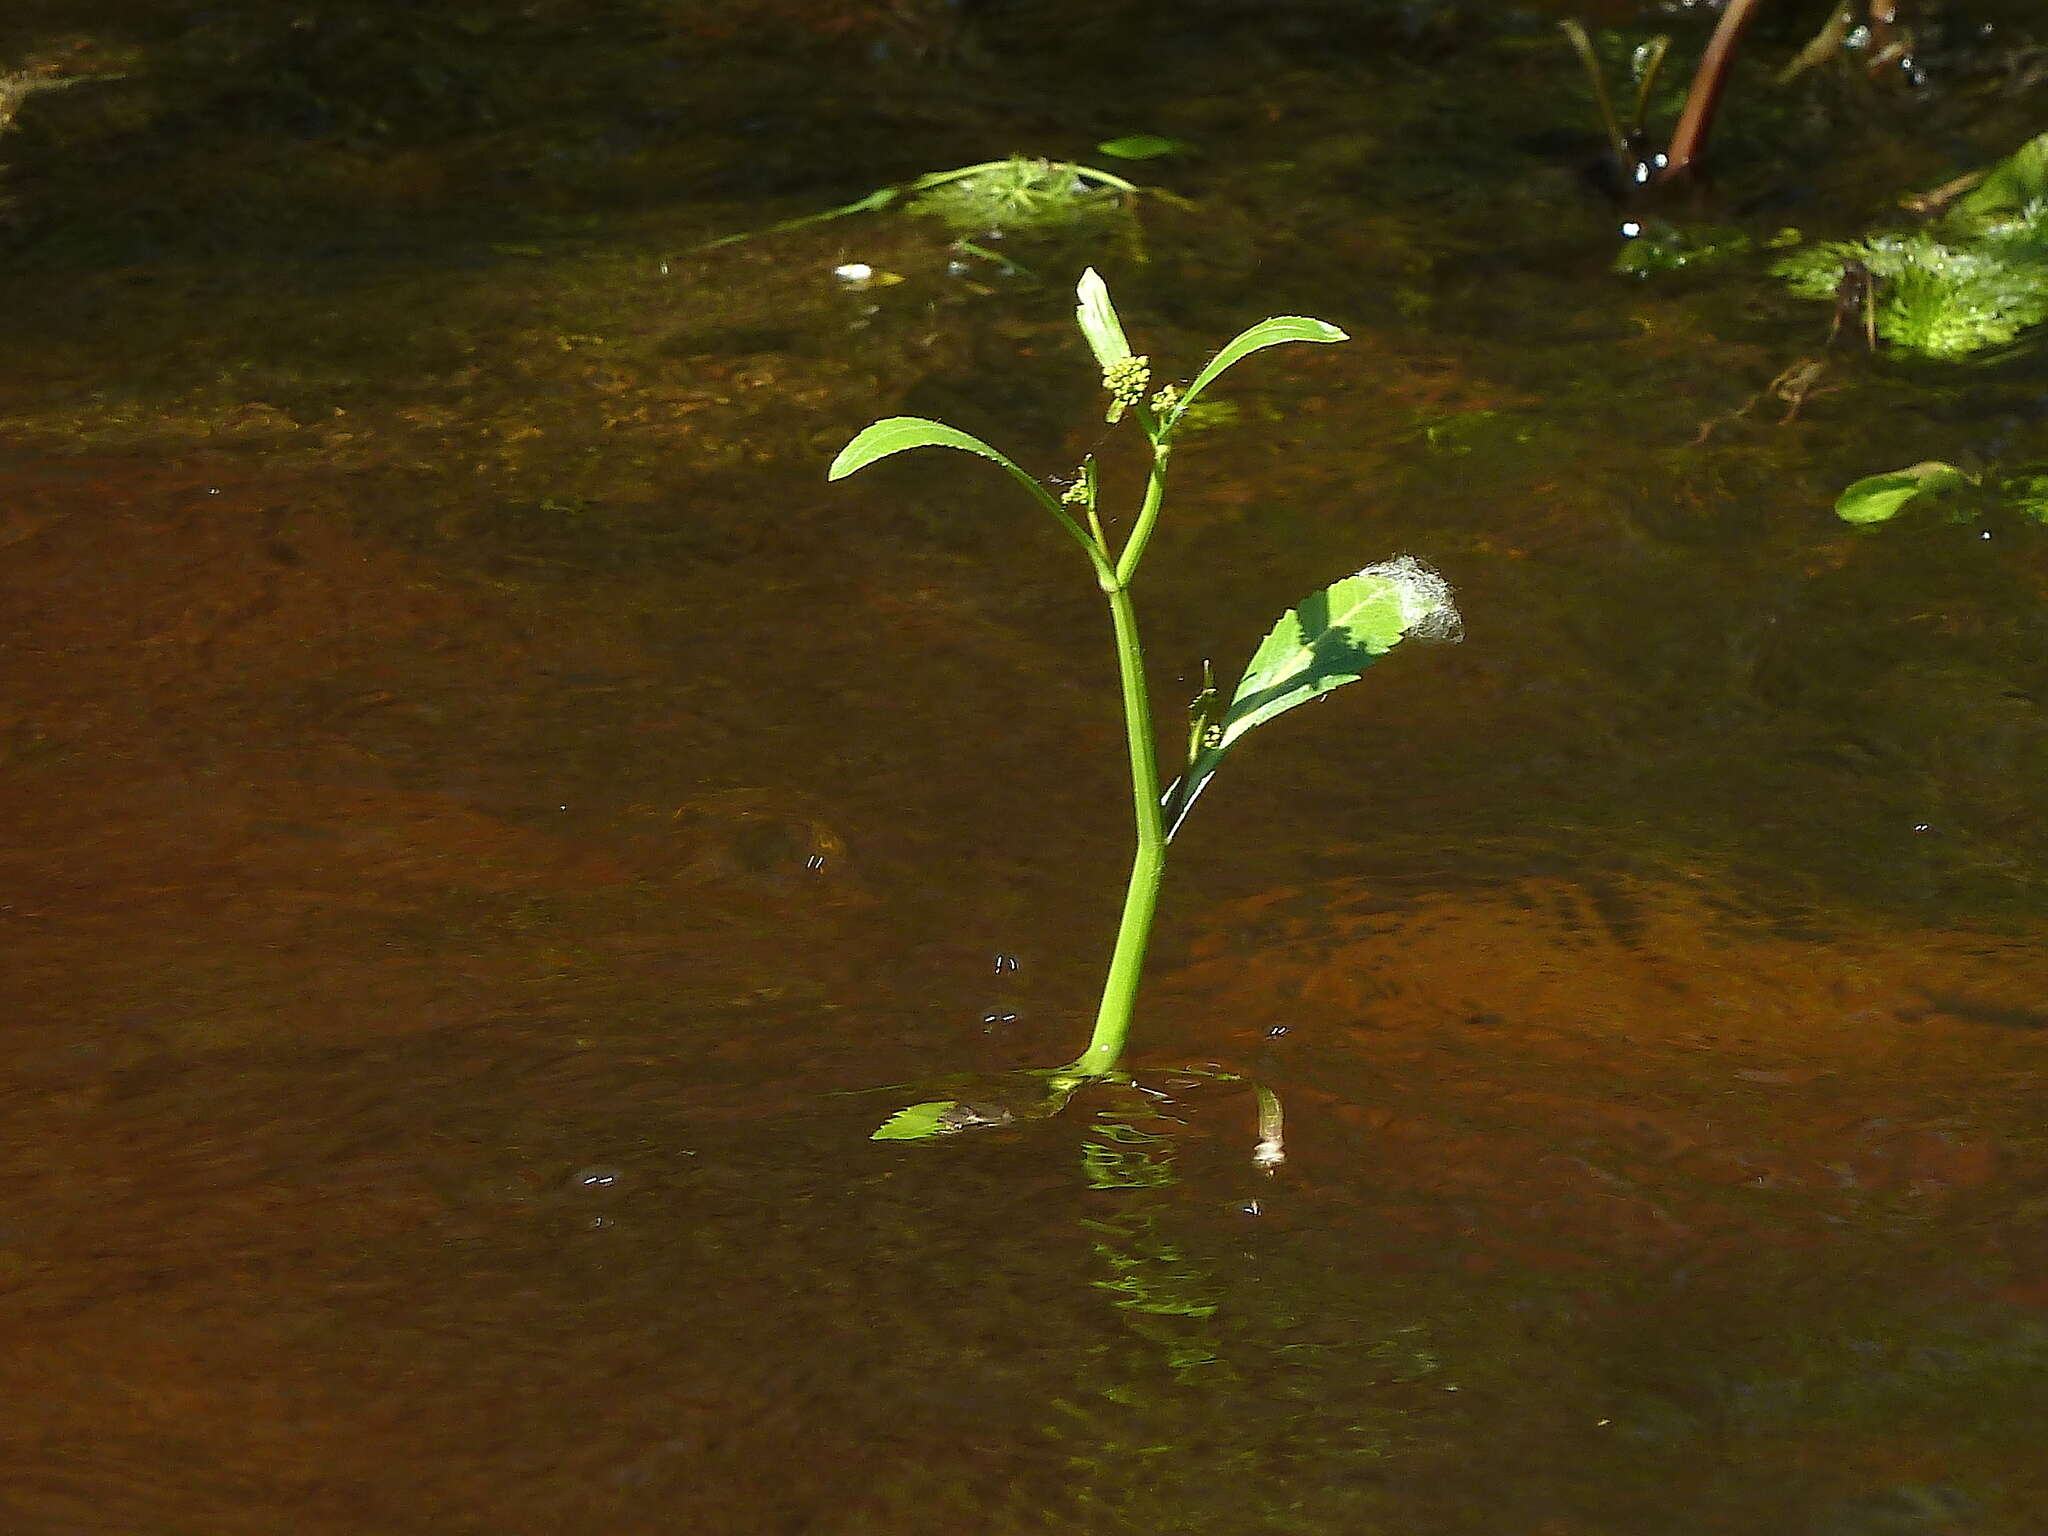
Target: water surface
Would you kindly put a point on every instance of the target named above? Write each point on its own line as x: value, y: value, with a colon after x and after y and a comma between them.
x: 494, y: 830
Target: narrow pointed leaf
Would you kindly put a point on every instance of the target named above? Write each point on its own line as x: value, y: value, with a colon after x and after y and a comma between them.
x: 881, y: 197
x: 1267, y: 333
x: 1326, y: 642
x: 894, y: 434
x: 1097, y: 318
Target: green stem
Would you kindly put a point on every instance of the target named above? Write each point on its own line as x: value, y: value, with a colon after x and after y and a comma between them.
x: 1148, y: 514
x: 1148, y: 866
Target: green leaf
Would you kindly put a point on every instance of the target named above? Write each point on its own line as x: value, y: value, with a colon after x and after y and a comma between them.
x: 1879, y: 498
x: 920, y: 1122
x: 1141, y: 146
x: 2008, y: 189
x: 894, y: 434
x: 1097, y: 318
x: 1326, y: 642
x: 1003, y: 1099
x: 881, y: 197
x: 1267, y: 333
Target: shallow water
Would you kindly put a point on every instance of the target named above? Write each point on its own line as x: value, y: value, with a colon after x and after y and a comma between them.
x: 494, y: 830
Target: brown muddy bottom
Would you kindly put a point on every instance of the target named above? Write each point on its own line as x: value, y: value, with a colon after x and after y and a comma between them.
x: 394, y: 1146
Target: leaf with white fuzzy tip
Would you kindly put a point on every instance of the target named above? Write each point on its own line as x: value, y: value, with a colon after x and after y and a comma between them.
x: 1325, y: 642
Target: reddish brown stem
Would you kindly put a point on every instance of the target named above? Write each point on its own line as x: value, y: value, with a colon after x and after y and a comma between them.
x: 1689, y: 140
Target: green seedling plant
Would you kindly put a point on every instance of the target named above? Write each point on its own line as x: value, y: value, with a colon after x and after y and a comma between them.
x: 1327, y: 640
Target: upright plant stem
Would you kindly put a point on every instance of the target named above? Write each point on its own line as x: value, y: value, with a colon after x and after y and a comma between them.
x: 1141, y: 900
x: 1148, y: 865
x: 1696, y: 121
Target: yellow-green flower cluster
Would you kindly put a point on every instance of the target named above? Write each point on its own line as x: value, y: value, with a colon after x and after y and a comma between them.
x: 1126, y: 378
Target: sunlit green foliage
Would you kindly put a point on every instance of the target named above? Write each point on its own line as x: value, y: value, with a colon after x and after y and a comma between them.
x: 1976, y: 280
x: 1880, y: 498
x: 1324, y: 642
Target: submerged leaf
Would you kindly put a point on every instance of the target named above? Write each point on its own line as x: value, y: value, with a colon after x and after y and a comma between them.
x: 1141, y: 146
x: 1878, y: 498
x: 881, y: 197
x: 920, y: 1122
x: 1326, y: 642
x: 1004, y: 1099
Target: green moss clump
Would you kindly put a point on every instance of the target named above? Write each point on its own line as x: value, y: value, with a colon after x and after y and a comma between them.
x: 1022, y: 197
x: 1974, y: 281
